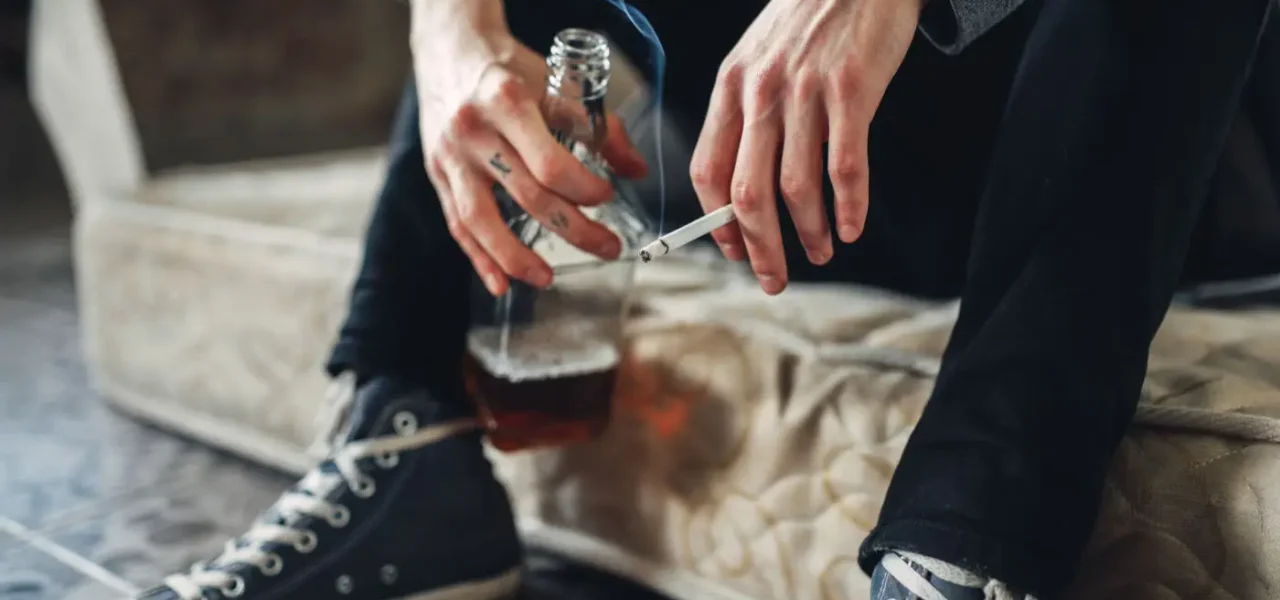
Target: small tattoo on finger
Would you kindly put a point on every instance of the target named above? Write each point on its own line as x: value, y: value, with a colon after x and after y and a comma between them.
x: 498, y: 165
x: 559, y: 221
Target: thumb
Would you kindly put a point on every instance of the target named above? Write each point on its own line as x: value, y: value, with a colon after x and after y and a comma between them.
x: 621, y: 152
x: 616, y: 148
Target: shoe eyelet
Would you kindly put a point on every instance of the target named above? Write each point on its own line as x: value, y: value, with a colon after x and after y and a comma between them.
x: 235, y: 589
x: 387, y: 461
x: 340, y: 517
x: 365, y: 488
x: 389, y: 574
x: 405, y: 423
x: 274, y: 565
x: 308, y: 542
x: 344, y: 584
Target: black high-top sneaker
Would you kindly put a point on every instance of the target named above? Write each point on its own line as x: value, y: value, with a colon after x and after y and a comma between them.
x: 406, y: 507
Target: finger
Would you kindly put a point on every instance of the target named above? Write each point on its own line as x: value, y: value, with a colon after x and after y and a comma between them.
x: 518, y: 117
x: 800, y: 177
x: 755, y: 198
x: 614, y: 144
x: 847, y: 165
x: 477, y: 212
x: 486, y: 268
x: 555, y: 213
x: 621, y: 152
x: 712, y: 164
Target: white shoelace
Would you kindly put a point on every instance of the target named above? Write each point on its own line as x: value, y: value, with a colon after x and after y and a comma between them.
x: 909, y: 578
x: 917, y: 584
x: 308, y: 499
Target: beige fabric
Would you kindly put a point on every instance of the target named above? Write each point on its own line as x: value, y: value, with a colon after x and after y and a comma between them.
x: 204, y: 312
x: 756, y: 436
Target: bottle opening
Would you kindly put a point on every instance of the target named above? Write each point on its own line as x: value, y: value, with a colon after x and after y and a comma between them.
x: 581, y: 42
x: 579, y: 64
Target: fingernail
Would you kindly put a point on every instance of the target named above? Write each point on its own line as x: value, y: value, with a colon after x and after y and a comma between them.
x: 848, y: 233
x: 770, y: 284
x: 819, y: 257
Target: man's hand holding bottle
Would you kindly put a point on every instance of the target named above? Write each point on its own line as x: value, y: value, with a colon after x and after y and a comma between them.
x: 484, y: 120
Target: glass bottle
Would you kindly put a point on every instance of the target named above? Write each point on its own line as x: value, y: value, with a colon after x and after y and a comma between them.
x: 541, y: 363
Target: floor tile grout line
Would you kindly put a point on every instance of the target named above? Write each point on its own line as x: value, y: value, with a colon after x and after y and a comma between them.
x: 61, y: 554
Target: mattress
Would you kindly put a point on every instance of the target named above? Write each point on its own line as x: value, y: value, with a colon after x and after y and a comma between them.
x: 755, y: 438
x: 209, y: 300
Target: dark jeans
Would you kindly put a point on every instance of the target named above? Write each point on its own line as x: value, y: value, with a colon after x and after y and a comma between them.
x: 1052, y: 174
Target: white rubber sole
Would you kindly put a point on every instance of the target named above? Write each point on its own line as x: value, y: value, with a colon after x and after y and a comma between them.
x: 501, y: 587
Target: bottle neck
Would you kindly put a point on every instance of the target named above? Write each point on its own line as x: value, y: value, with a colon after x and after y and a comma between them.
x: 578, y: 72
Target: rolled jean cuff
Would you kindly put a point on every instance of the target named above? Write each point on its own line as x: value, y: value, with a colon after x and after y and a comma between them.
x: 1025, y: 569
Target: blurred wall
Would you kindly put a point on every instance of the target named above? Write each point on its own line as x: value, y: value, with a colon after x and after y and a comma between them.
x: 212, y: 81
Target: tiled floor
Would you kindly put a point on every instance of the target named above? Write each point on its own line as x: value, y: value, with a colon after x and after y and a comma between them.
x: 94, y: 505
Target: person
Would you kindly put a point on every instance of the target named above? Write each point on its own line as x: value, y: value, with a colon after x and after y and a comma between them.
x: 1047, y: 161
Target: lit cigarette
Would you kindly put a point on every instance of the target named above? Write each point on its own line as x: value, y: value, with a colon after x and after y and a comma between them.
x: 685, y: 235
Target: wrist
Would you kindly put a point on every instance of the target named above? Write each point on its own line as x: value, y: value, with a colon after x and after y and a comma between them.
x: 453, y: 29
x: 457, y: 17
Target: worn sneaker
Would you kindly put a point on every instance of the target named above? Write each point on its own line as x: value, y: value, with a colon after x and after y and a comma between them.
x: 405, y: 507
x: 899, y: 577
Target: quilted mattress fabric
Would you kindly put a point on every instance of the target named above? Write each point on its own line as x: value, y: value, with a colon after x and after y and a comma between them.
x: 755, y: 438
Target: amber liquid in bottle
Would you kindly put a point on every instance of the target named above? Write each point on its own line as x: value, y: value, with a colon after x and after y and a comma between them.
x: 545, y: 400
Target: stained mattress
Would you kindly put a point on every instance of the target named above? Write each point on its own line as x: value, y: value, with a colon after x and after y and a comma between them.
x: 755, y: 438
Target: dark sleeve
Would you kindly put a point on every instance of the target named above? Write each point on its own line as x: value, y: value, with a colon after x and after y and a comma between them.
x: 953, y: 24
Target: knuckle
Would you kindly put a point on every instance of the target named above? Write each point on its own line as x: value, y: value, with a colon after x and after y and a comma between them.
x: 458, y: 232
x: 432, y: 161
x: 533, y: 198
x: 547, y: 169
x: 769, y: 76
x: 443, y: 154
x: 509, y: 91
x: 731, y: 74
x: 845, y: 80
x: 806, y: 83
x: 707, y: 173
x: 746, y: 196
x: 465, y: 122
x: 502, y: 91
x: 763, y: 86
x: 758, y: 102
x: 795, y: 190
x: 844, y: 166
